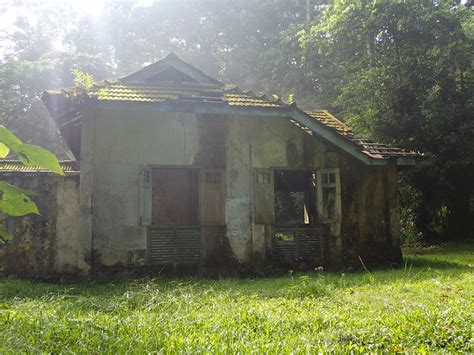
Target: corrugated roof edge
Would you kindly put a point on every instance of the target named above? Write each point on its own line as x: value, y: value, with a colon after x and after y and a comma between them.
x: 14, y: 166
x: 372, y: 149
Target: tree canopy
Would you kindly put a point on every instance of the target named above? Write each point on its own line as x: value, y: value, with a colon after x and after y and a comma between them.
x: 399, y: 71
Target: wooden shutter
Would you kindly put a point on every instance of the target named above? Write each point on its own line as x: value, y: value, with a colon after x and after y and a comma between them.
x: 180, y: 245
x: 145, y: 196
x: 293, y: 244
x: 264, y: 197
x: 213, y: 209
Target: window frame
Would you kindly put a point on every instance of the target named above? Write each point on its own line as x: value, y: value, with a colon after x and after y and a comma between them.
x: 212, y: 180
x: 320, y: 185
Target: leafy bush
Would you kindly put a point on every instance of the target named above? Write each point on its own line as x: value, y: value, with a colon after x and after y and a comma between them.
x: 15, y: 201
x: 410, y: 199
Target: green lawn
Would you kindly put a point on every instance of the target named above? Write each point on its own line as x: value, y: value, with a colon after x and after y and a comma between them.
x: 426, y: 306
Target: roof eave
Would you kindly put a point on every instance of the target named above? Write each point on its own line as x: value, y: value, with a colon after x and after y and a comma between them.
x: 333, y: 137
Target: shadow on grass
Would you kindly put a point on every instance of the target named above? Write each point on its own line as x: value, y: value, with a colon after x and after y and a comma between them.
x: 442, y: 265
x: 423, y: 265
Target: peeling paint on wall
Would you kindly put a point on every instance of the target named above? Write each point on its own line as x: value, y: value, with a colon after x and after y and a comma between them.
x: 117, y: 150
x: 47, y: 244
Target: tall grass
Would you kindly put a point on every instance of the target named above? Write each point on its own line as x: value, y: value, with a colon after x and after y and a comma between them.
x: 425, y: 306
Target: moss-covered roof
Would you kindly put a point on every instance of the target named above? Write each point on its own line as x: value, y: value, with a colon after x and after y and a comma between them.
x: 368, y: 147
x: 173, y: 81
x: 326, y: 118
x: 136, y: 92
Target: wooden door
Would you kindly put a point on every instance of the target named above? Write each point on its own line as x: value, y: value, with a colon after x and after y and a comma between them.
x: 175, y: 197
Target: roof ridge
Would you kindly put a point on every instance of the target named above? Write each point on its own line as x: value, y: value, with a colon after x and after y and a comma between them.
x: 170, y: 61
x: 164, y: 84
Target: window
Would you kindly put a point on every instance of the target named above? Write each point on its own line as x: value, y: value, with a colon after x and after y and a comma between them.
x: 264, y: 197
x: 329, y: 200
x: 212, y: 199
x: 294, y: 197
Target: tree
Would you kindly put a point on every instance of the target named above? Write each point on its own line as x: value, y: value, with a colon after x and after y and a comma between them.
x: 402, y: 73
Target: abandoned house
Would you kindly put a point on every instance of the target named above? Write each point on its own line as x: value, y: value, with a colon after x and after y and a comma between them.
x: 178, y: 171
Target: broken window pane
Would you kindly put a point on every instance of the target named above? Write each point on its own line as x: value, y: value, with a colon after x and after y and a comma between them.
x: 289, y: 207
x: 295, y: 201
x: 286, y: 236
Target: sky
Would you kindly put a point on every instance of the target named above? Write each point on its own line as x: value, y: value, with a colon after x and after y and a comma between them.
x: 10, y: 9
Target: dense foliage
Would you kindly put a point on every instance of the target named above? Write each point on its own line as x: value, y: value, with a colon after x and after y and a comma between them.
x: 400, y: 71
x: 405, y: 76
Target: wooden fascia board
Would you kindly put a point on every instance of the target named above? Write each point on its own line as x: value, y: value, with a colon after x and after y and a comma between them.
x: 287, y: 112
x: 332, y: 137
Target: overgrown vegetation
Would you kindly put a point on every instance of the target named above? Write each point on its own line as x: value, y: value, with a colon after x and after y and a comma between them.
x: 15, y: 201
x: 426, y: 306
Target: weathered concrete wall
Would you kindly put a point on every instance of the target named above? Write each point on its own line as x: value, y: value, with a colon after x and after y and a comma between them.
x: 122, y: 143
x: 239, y: 187
x: 278, y: 143
x: 47, y: 244
x: 370, y: 228
x: 67, y: 225
x: 118, y: 143
x: 369, y: 223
